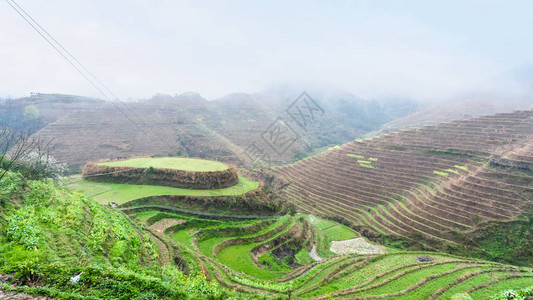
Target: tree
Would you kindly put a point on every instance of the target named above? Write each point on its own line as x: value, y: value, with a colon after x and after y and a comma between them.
x: 28, y: 154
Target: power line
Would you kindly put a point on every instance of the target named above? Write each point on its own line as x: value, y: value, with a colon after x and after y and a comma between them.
x: 58, y: 47
x: 74, y: 58
x: 68, y: 60
x: 79, y: 67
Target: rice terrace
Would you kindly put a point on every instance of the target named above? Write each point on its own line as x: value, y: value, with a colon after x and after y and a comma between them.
x: 266, y: 150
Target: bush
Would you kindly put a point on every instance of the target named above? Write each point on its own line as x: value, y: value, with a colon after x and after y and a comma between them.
x: 514, y: 295
x: 38, y: 166
x: 22, y: 228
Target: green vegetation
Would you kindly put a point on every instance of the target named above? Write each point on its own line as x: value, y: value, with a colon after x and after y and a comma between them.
x: 513, y: 294
x: 332, y: 230
x: 510, y: 242
x: 180, y: 163
x: 464, y: 168
x: 444, y: 174
x: 366, y: 165
x: 339, y: 232
x: 303, y: 257
x: 452, y: 171
x: 49, y: 235
x: 237, y: 258
x: 104, y: 193
x: 355, y: 156
x: 336, y: 147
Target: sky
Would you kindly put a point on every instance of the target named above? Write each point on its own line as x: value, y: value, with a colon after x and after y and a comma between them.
x: 424, y: 50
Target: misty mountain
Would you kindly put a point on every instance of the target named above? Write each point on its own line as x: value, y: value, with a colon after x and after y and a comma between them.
x: 189, y: 125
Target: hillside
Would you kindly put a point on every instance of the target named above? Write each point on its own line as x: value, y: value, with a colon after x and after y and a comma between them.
x: 460, y: 110
x: 462, y: 187
x: 38, y: 110
x: 195, y: 186
x: 189, y: 125
x: 64, y: 245
x: 50, y: 236
x: 296, y: 257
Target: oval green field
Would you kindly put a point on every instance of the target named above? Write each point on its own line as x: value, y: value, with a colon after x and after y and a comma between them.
x: 178, y: 163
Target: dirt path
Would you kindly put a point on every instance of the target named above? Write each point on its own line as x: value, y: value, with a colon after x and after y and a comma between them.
x: 161, y: 225
x: 314, y: 255
x: 163, y: 251
x: 20, y: 296
x: 358, y: 245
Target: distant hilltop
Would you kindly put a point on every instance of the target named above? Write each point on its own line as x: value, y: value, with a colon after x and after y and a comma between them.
x: 58, y: 98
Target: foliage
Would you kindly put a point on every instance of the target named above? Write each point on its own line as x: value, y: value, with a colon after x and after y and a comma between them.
x: 510, y: 242
x: 441, y: 173
x: 513, y: 294
x: 303, y: 258
x: 22, y: 228
x: 365, y: 165
x: 38, y: 166
x: 50, y: 235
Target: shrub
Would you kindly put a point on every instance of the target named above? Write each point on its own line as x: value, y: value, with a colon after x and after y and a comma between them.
x: 37, y: 166
x: 22, y: 228
x: 507, y: 295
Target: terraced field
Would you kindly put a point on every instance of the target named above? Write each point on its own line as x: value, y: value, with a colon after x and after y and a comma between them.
x: 176, y: 184
x: 419, y: 185
x: 267, y: 257
x: 104, y: 192
x: 438, y: 182
x: 181, y: 163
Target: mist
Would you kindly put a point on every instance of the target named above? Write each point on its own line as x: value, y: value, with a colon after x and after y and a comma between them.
x: 420, y: 50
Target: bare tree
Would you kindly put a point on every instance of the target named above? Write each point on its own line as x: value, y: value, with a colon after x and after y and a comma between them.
x: 14, y: 146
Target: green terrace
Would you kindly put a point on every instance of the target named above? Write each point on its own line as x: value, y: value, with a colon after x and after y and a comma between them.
x: 103, y: 192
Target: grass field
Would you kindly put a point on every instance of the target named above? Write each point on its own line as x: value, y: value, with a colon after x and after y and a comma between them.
x: 332, y: 230
x: 104, y: 193
x: 394, y: 275
x: 237, y: 258
x: 180, y: 163
x: 303, y: 257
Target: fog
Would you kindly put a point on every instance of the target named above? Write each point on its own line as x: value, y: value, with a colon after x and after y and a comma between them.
x: 424, y: 50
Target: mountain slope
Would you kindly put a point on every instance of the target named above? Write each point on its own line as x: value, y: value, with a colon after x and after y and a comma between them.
x: 222, y: 129
x: 452, y: 185
x: 63, y: 245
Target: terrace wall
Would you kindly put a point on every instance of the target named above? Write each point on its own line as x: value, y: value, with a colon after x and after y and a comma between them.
x: 255, y: 202
x: 164, y: 177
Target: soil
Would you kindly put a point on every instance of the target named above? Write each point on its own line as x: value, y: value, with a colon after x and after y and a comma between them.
x: 19, y: 296
x: 425, y: 258
x: 358, y: 245
x: 160, y: 226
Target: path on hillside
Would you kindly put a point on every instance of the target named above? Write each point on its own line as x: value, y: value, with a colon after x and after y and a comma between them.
x: 163, y: 250
x: 20, y: 296
x: 314, y: 255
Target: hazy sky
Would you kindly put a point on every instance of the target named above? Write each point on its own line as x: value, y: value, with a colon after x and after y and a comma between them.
x: 421, y: 49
